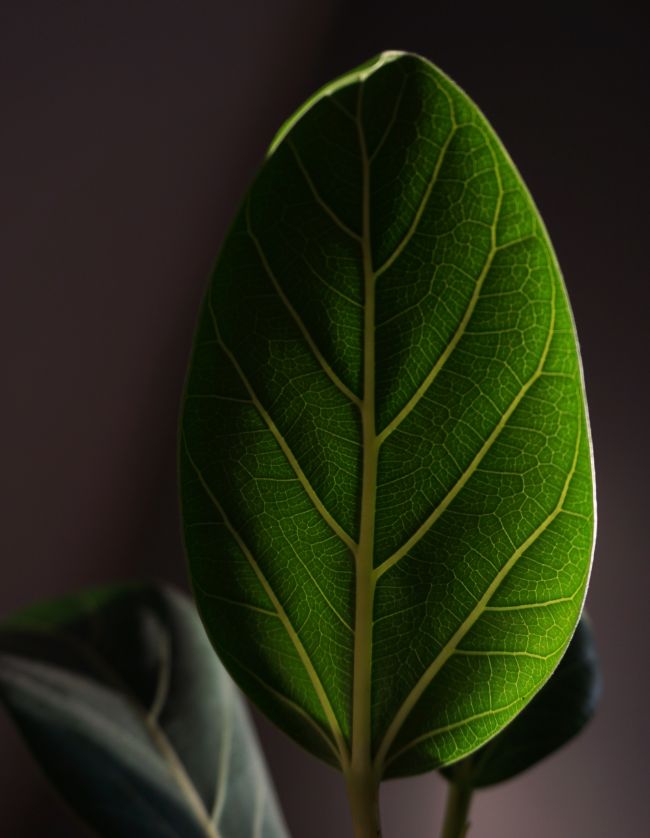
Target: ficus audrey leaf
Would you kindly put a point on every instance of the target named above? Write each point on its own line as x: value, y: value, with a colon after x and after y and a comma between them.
x: 556, y: 714
x: 124, y: 704
x: 385, y: 458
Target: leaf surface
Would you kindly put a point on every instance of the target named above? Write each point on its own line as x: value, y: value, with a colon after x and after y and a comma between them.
x: 556, y: 714
x: 124, y: 704
x: 385, y: 457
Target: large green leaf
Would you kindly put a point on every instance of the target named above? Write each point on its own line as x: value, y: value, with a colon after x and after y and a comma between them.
x: 558, y: 712
x: 385, y: 458
x: 123, y: 702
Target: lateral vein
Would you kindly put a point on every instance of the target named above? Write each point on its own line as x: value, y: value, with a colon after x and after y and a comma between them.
x: 454, y: 725
x: 164, y: 679
x: 336, y: 613
x: 304, y: 331
x: 452, y: 644
x: 296, y: 708
x: 284, y: 619
x: 224, y: 759
x: 236, y: 602
x: 462, y: 326
x: 476, y: 461
x: 495, y: 653
x: 528, y: 605
x: 317, y: 196
x: 286, y: 450
x: 425, y: 198
x: 157, y: 735
x: 391, y: 122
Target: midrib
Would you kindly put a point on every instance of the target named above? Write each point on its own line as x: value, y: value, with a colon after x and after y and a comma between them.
x: 361, y: 751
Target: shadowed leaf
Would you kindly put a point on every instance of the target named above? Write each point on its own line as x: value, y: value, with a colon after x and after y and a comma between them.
x: 122, y: 701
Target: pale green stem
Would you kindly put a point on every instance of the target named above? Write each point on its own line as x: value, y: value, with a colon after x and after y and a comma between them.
x: 459, y: 799
x: 363, y: 794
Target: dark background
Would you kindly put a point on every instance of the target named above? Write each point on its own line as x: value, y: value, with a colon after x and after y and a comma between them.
x: 128, y: 133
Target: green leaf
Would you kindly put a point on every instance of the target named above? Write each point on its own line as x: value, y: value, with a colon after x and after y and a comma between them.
x: 385, y: 457
x: 121, y: 699
x: 558, y: 712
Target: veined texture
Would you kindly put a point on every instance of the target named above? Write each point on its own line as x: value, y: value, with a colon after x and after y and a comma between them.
x: 385, y: 458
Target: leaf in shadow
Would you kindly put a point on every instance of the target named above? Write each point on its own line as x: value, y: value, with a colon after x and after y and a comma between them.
x: 122, y: 700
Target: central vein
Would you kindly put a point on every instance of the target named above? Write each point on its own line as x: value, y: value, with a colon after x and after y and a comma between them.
x: 361, y: 756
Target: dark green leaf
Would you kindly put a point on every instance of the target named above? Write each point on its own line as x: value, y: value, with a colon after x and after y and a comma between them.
x: 558, y: 712
x: 385, y: 458
x: 123, y: 702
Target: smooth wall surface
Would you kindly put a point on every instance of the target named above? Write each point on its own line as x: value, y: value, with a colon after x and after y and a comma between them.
x: 129, y: 132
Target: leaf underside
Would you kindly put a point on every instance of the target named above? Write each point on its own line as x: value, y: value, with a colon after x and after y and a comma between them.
x: 385, y: 458
x: 122, y: 701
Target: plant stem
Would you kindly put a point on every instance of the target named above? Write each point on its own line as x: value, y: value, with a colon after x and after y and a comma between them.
x: 456, y: 824
x: 363, y: 794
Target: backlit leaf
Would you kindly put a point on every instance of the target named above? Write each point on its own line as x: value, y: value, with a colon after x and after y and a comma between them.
x: 385, y: 457
x: 558, y: 712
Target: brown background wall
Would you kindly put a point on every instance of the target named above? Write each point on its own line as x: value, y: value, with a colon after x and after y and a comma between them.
x: 129, y: 132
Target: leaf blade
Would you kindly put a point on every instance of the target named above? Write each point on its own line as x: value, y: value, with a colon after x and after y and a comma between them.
x: 420, y: 366
x: 560, y: 710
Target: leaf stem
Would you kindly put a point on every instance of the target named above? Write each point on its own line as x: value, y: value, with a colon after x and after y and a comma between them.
x: 459, y: 798
x: 363, y: 794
